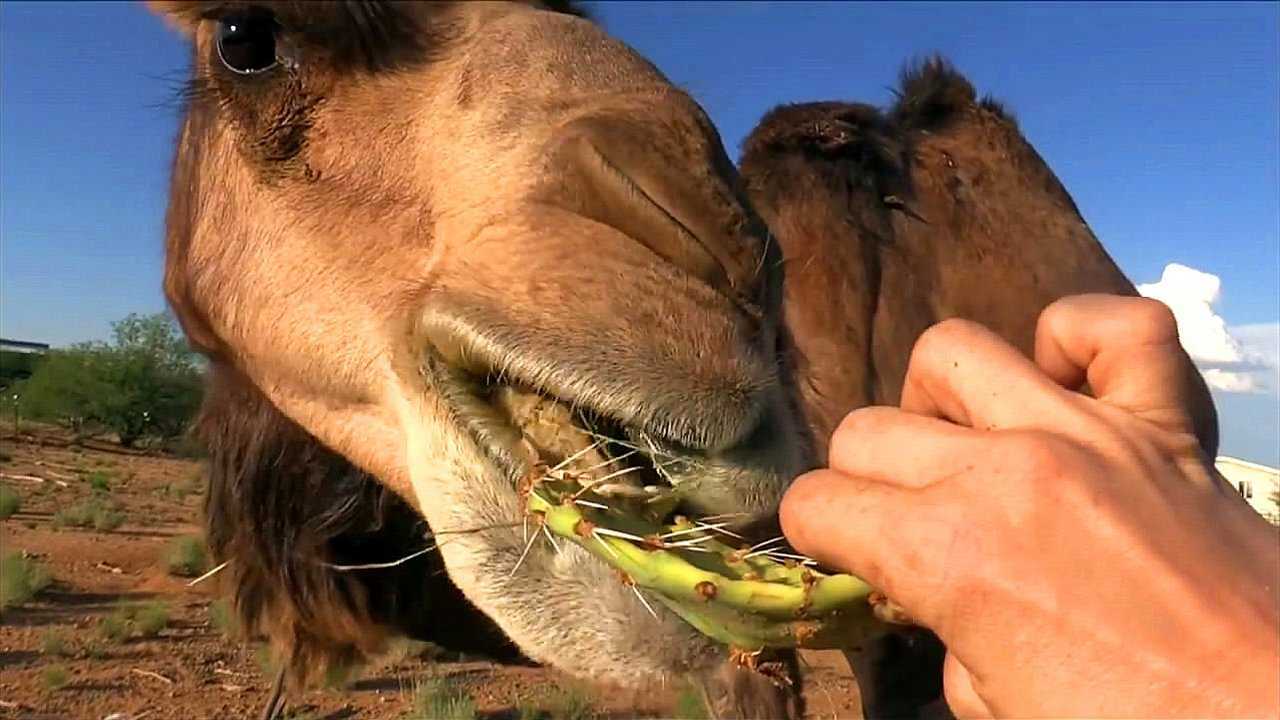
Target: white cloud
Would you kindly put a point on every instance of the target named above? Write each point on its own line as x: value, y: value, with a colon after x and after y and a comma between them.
x: 1237, y: 360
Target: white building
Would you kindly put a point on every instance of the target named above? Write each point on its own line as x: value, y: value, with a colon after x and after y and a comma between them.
x: 1259, y: 484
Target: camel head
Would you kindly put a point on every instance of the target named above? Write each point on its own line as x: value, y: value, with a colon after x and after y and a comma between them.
x: 448, y: 242
x: 894, y: 219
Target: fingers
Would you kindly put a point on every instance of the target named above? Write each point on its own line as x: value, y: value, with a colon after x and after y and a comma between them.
x: 1127, y: 349
x: 885, y: 534
x: 965, y: 373
x: 957, y: 685
x: 891, y: 446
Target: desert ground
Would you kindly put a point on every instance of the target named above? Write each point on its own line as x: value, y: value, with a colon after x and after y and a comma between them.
x: 117, y: 632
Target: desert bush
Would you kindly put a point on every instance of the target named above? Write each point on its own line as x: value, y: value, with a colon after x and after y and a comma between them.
x: 55, y: 677
x: 145, y: 383
x: 150, y: 618
x: 186, y: 556
x: 144, y: 620
x: 55, y: 641
x: 114, y: 628
x: 99, y: 481
x: 96, y: 512
x: 10, y: 502
x: 21, y: 578
x: 440, y: 699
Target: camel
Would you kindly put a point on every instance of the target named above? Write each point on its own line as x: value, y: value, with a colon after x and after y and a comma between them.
x: 427, y: 246
x: 892, y: 221
x: 423, y: 243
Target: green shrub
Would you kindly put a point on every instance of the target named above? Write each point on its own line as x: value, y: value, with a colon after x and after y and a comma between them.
x: 441, y: 699
x: 186, y: 556
x: 95, y: 512
x: 150, y: 618
x: 145, y: 383
x: 107, y: 519
x: 55, y: 642
x: 99, y: 481
x: 55, y: 677
x: 114, y: 628
x: 21, y: 578
x: 10, y: 502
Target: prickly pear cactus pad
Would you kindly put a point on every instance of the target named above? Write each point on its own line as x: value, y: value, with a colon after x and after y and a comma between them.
x: 615, y: 492
x: 750, y: 597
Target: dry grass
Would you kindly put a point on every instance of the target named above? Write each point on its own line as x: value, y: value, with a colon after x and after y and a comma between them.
x: 440, y: 699
x: 557, y: 704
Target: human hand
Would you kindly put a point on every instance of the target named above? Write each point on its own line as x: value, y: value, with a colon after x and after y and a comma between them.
x: 1079, y: 556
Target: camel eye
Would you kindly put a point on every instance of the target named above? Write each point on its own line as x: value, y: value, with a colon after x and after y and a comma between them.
x: 247, y: 42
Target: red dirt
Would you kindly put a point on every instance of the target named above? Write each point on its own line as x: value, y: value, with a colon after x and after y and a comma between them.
x: 191, y: 669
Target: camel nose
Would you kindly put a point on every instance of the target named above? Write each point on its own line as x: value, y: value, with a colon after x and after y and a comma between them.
x: 669, y: 186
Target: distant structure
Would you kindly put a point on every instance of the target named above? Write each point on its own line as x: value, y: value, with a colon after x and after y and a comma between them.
x: 18, y: 359
x: 1258, y: 484
x: 23, y: 346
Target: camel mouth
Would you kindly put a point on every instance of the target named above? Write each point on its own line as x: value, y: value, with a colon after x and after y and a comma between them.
x: 522, y: 429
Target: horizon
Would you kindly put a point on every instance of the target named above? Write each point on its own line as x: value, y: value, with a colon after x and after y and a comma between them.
x: 1162, y: 121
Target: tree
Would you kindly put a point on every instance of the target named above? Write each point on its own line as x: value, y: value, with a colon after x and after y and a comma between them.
x: 144, y: 383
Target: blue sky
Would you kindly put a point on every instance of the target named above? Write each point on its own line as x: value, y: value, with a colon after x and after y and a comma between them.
x: 1161, y: 119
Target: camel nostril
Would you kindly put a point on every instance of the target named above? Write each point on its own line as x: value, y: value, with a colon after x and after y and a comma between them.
x: 611, y: 173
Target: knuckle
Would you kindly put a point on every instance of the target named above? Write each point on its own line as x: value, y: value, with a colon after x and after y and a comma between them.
x: 1039, y: 455
x: 859, y: 422
x: 939, y: 339
x: 1152, y: 320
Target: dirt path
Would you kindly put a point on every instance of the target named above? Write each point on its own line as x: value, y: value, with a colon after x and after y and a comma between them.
x: 61, y: 655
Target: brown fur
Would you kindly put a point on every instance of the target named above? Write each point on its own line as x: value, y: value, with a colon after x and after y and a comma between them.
x: 890, y: 222
x: 283, y: 510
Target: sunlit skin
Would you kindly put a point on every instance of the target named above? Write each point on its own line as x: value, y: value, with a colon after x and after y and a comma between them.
x: 1079, y: 557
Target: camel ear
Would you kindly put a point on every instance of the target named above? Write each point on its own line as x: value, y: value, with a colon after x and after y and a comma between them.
x: 182, y: 16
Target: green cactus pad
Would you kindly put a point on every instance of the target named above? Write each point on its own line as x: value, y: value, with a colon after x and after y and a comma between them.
x: 748, y: 599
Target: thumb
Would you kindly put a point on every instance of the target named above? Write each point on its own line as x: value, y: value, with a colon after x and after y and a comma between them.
x: 957, y: 685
